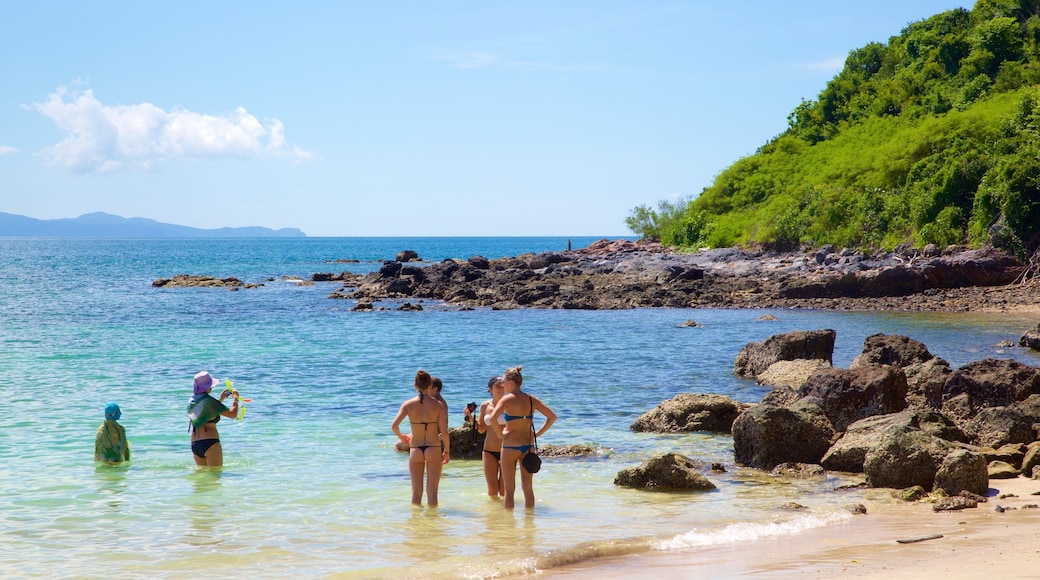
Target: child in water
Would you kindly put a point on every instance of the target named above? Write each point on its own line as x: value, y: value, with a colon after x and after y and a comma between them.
x: 111, y: 446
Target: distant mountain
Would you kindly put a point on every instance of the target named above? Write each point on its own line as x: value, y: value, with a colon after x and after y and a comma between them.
x: 105, y: 225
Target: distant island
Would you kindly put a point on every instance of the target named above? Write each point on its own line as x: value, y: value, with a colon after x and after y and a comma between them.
x: 105, y: 225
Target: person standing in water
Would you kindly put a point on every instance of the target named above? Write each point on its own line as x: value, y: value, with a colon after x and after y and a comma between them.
x: 110, y: 445
x: 518, y: 434
x: 204, y: 411
x: 491, y: 456
x: 429, y: 441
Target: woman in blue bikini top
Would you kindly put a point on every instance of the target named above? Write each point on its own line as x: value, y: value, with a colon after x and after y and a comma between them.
x: 518, y: 433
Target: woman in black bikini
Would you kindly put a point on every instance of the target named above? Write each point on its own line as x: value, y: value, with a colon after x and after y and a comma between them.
x: 492, y: 454
x: 204, y: 411
x: 517, y: 408
x: 429, y: 441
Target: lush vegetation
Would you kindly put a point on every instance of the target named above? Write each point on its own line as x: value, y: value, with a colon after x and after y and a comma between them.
x: 933, y: 137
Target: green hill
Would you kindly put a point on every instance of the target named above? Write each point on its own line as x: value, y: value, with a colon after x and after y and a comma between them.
x: 933, y: 137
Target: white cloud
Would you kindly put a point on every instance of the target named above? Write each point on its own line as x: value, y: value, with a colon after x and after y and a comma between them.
x: 103, y: 138
x: 7, y: 150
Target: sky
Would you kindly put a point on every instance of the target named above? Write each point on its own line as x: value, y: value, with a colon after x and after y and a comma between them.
x: 405, y: 118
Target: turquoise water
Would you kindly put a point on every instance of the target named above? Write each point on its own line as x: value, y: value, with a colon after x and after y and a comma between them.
x: 311, y: 484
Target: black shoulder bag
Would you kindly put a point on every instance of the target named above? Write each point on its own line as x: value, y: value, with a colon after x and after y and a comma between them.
x: 531, y: 462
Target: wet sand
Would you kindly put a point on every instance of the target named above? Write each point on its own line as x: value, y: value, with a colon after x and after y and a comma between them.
x: 975, y: 543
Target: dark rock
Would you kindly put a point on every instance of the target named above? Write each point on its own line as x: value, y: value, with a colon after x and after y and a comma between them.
x: 848, y: 452
x: 925, y: 382
x: 856, y: 509
x: 389, y: 270
x: 1012, y: 453
x: 997, y: 426
x: 896, y: 350
x: 409, y: 307
x: 979, y: 498
x: 797, y: 470
x: 1002, y: 470
x: 767, y: 435
x: 407, y: 256
x: 949, y: 504
x: 904, y: 459
x: 962, y: 470
x: 689, y: 412
x: 572, y: 450
x: 987, y: 266
x: 1031, y: 458
x: 756, y: 357
x: 466, y: 442
x: 848, y: 395
x: 479, y: 262
x: 993, y: 382
x: 1031, y: 339
x: 668, y: 472
x: 188, y: 281
x: 913, y: 493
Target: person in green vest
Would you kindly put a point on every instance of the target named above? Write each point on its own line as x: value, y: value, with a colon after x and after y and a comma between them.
x: 110, y: 445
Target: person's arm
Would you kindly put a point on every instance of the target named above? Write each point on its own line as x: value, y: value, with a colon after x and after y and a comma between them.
x: 550, y: 417
x: 98, y: 444
x: 396, y: 425
x: 231, y: 413
x: 442, y: 424
x: 500, y: 408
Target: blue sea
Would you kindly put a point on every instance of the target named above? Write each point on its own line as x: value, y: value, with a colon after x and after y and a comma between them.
x: 311, y: 485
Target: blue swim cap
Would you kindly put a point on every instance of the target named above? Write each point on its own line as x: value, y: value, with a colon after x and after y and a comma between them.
x: 112, y: 411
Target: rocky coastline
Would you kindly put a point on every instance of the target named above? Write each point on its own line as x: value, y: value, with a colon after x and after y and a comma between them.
x: 624, y: 274
x: 611, y: 275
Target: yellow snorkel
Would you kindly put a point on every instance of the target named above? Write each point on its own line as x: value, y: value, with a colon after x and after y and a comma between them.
x: 231, y: 390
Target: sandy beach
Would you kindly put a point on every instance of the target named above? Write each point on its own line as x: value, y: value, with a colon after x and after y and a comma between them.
x: 975, y: 543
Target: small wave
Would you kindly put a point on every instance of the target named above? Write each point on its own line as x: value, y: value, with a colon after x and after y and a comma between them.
x: 698, y: 538
x: 746, y: 531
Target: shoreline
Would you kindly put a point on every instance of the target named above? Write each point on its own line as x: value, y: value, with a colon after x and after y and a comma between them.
x: 975, y: 543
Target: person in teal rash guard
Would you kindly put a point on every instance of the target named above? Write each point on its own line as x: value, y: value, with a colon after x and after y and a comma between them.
x: 204, y: 411
x: 110, y: 445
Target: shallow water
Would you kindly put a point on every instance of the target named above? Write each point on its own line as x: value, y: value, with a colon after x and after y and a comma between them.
x: 311, y: 484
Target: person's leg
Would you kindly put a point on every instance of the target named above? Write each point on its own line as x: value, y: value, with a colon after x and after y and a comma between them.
x: 416, y: 465
x: 434, y: 465
x: 527, y: 483
x: 492, y: 475
x: 215, y: 456
x: 200, y: 461
x: 509, y: 459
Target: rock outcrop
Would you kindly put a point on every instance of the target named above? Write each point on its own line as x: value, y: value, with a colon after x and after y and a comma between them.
x: 767, y: 435
x: 756, y: 357
x: 688, y: 412
x: 668, y: 472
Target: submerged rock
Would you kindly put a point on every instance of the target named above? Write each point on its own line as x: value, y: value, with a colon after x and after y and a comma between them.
x: 668, y: 472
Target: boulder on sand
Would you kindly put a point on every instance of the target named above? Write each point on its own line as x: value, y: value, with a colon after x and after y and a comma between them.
x: 767, y: 435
